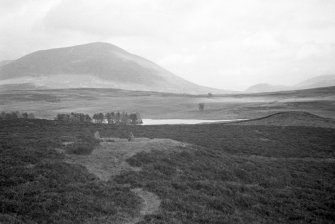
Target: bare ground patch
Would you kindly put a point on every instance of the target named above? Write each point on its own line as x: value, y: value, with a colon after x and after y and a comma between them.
x: 109, y: 160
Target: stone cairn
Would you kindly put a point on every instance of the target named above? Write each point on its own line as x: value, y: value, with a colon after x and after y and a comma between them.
x: 131, y: 136
x: 97, y: 135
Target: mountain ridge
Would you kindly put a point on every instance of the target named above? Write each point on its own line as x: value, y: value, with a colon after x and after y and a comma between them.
x: 95, y: 65
x: 311, y: 83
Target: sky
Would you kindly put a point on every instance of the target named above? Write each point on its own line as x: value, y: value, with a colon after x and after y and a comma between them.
x: 222, y: 44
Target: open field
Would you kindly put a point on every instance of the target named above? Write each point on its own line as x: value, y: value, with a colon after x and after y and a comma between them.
x: 213, y: 173
x: 47, y: 103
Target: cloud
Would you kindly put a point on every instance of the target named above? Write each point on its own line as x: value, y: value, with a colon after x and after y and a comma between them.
x: 117, y: 18
x: 224, y: 44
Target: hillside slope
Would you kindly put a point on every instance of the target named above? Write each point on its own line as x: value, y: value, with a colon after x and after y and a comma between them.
x: 317, y: 82
x: 292, y: 118
x: 321, y: 81
x: 265, y: 87
x: 94, y: 65
x: 5, y: 62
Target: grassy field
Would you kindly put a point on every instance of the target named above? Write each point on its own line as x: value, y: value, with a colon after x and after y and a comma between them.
x: 231, y: 174
x: 47, y: 103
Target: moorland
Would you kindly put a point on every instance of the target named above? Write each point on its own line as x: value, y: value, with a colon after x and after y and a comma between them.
x: 276, y: 167
x: 212, y: 173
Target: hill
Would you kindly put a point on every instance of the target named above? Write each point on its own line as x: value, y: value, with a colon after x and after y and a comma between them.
x: 94, y: 65
x: 265, y: 87
x: 21, y: 86
x: 292, y: 118
x: 315, y: 82
x: 5, y: 62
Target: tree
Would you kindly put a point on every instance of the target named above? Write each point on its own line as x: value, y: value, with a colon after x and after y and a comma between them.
x: 113, y: 117
x: 109, y: 118
x: 117, y: 117
x: 98, y: 117
x: 87, y: 118
x: 18, y: 114
x: 201, y: 106
x: 139, y: 119
x: 124, y: 118
x: 25, y: 115
x: 11, y: 115
x: 135, y: 118
x: 3, y: 115
x: 101, y: 117
x: 63, y: 117
x: 95, y: 118
x: 31, y: 116
x: 74, y: 117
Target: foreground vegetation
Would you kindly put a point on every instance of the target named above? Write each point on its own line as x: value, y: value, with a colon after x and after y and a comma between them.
x: 232, y: 174
x: 252, y: 174
x: 36, y: 186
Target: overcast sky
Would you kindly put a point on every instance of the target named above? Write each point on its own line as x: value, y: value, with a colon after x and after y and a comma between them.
x: 224, y: 44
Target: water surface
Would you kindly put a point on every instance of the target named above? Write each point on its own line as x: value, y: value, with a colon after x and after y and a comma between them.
x: 183, y: 121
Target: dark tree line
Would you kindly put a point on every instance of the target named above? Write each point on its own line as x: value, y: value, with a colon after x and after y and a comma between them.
x: 74, y: 117
x: 16, y: 115
x: 116, y: 118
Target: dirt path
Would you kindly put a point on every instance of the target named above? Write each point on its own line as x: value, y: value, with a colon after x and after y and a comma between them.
x: 150, y: 204
x: 109, y: 160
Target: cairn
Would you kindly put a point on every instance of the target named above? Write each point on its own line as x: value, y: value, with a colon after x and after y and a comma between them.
x: 130, y: 136
x: 97, y: 135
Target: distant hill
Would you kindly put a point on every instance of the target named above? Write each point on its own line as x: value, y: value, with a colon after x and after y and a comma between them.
x: 95, y: 65
x: 316, y: 82
x: 5, y: 62
x: 20, y: 86
x: 292, y: 118
x: 265, y: 87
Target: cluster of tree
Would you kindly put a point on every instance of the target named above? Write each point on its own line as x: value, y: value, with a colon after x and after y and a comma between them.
x: 16, y: 115
x: 116, y: 118
x: 74, y: 117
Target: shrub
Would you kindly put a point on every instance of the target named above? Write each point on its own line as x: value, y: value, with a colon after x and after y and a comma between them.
x: 201, y: 106
x: 79, y: 148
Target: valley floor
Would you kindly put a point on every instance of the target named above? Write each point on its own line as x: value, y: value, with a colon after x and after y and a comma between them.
x: 152, y: 105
